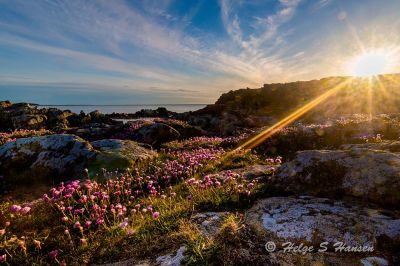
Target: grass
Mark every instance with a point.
(144, 236)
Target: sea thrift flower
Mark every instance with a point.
(156, 215)
(190, 197)
(15, 208)
(124, 224)
(87, 224)
(2, 232)
(53, 254)
(46, 198)
(64, 219)
(3, 258)
(83, 242)
(77, 224)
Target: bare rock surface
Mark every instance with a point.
(209, 222)
(44, 157)
(118, 154)
(64, 156)
(173, 259)
(316, 220)
(255, 172)
(156, 134)
(360, 171)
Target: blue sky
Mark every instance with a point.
(181, 51)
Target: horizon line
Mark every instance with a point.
(119, 104)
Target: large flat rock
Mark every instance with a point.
(360, 171)
(311, 221)
(62, 157)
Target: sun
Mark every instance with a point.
(371, 63)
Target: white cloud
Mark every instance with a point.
(114, 25)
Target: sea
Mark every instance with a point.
(109, 109)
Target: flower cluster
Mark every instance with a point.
(205, 142)
(171, 121)
(184, 164)
(130, 129)
(235, 181)
(21, 133)
(17, 209)
(88, 205)
(277, 160)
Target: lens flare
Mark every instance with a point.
(261, 137)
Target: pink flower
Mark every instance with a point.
(190, 197)
(156, 215)
(15, 208)
(64, 219)
(3, 258)
(45, 198)
(53, 254)
(77, 224)
(99, 221)
(124, 224)
(83, 241)
(2, 232)
(87, 224)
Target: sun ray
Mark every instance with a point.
(261, 137)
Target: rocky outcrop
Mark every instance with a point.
(118, 154)
(29, 116)
(313, 222)
(54, 157)
(62, 156)
(159, 112)
(279, 99)
(372, 175)
(96, 131)
(156, 134)
(332, 134)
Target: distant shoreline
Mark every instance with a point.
(123, 108)
(166, 104)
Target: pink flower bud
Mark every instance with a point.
(156, 215)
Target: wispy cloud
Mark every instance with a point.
(322, 3)
(135, 46)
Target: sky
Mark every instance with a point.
(182, 51)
